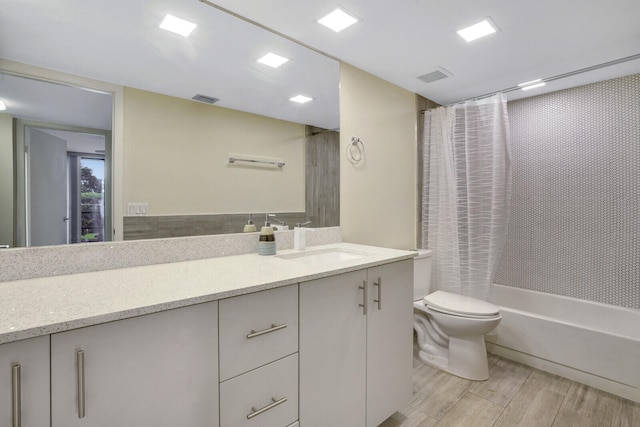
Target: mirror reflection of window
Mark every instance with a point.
(91, 200)
(87, 184)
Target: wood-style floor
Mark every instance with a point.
(514, 395)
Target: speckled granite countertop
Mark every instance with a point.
(41, 306)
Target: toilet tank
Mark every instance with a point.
(421, 274)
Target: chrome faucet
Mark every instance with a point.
(280, 221)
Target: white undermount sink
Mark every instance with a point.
(322, 256)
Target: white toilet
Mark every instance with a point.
(450, 327)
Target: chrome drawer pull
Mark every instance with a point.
(80, 385)
(379, 300)
(255, 412)
(16, 403)
(365, 296)
(273, 328)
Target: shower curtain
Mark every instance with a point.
(466, 193)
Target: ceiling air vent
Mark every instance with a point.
(206, 99)
(439, 74)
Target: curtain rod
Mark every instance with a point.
(550, 79)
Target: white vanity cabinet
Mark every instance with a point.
(24, 383)
(355, 366)
(335, 350)
(259, 359)
(155, 370)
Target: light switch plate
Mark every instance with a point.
(135, 209)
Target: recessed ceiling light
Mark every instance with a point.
(338, 20)
(273, 60)
(2, 106)
(533, 86)
(478, 30)
(301, 99)
(177, 25)
(530, 83)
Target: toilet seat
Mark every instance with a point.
(460, 305)
(466, 315)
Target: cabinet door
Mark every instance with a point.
(24, 383)
(155, 370)
(389, 340)
(332, 351)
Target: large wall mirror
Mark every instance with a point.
(147, 159)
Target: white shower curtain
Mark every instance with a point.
(466, 193)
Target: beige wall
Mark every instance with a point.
(176, 150)
(6, 180)
(378, 195)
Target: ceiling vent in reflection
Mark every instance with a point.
(439, 74)
(206, 99)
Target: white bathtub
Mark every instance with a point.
(592, 343)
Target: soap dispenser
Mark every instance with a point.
(249, 227)
(267, 240)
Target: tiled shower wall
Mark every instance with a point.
(322, 180)
(575, 221)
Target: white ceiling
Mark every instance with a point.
(118, 41)
(402, 39)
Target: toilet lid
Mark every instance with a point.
(460, 304)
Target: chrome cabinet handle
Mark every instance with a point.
(16, 396)
(273, 328)
(365, 296)
(81, 388)
(379, 300)
(255, 412)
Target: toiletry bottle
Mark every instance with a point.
(299, 236)
(249, 227)
(267, 240)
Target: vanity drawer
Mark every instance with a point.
(256, 329)
(264, 397)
